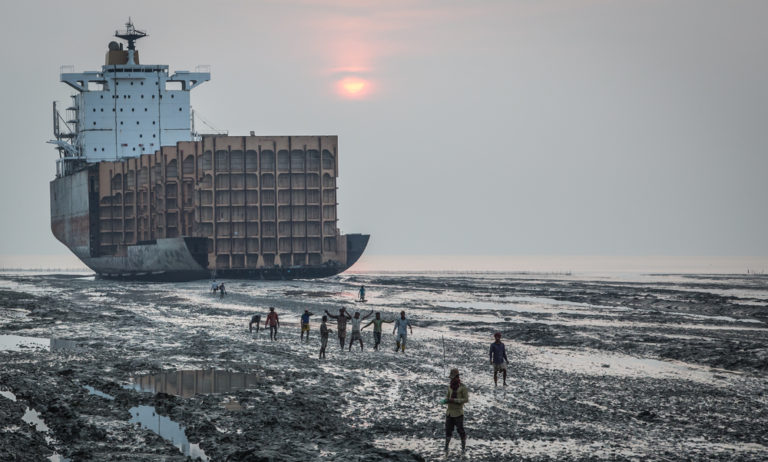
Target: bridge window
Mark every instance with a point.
(328, 160)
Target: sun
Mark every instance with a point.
(353, 87)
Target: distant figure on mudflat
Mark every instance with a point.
(356, 329)
(214, 286)
(377, 322)
(401, 327)
(255, 319)
(273, 323)
(305, 324)
(341, 320)
(498, 356)
(222, 291)
(457, 396)
(361, 294)
(323, 337)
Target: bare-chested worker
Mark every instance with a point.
(341, 320)
(255, 319)
(356, 319)
(273, 323)
(377, 322)
(323, 337)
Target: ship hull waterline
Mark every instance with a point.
(167, 266)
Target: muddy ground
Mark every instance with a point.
(664, 367)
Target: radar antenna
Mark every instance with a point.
(130, 34)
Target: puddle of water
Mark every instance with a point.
(10, 342)
(189, 383)
(594, 362)
(534, 305)
(168, 429)
(32, 417)
(19, 343)
(96, 392)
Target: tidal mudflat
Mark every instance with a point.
(622, 367)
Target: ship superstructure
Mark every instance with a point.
(138, 195)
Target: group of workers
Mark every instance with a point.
(401, 328)
(457, 394)
(218, 287)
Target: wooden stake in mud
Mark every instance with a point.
(443, 337)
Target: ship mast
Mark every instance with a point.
(130, 35)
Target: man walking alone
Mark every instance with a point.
(499, 360)
(457, 396)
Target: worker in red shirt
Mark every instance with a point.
(273, 323)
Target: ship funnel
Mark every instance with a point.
(117, 55)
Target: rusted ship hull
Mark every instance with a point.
(242, 207)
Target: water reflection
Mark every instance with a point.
(99, 393)
(9, 342)
(58, 344)
(168, 429)
(189, 383)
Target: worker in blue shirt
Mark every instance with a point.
(361, 294)
(305, 324)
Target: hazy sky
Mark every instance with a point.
(498, 127)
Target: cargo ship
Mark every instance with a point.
(138, 194)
